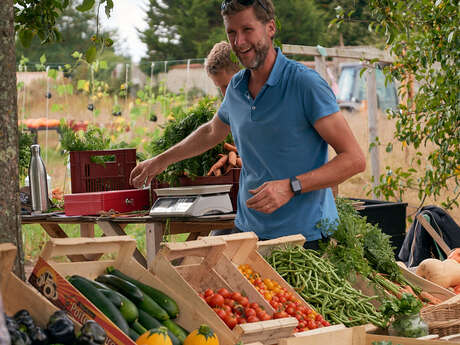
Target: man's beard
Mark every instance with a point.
(261, 52)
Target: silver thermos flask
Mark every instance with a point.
(38, 181)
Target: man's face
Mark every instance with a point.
(221, 80)
(250, 39)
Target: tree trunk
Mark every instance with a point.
(10, 224)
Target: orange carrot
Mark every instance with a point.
(228, 168)
(219, 164)
(427, 297)
(239, 162)
(230, 147)
(232, 158)
(217, 172)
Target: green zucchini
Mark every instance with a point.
(100, 286)
(128, 309)
(133, 334)
(138, 327)
(150, 322)
(113, 297)
(151, 307)
(128, 289)
(166, 302)
(100, 301)
(175, 329)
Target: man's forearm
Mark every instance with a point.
(337, 170)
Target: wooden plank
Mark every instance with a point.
(370, 338)
(113, 229)
(320, 67)
(434, 234)
(343, 336)
(202, 226)
(153, 235)
(55, 231)
(373, 125)
(266, 247)
(368, 53)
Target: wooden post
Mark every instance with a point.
(373, 124)
(320, 67)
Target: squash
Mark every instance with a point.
(455, 255)
(202, 336)
(444, 273)
(155, 336)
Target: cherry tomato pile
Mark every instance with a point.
(234, 308)
(284, 302)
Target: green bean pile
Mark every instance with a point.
(316, 280)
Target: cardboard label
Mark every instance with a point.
(66, 297)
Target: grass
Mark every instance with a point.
(75, 107)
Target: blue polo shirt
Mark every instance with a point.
(276, 140)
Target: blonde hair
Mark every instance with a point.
(219, 58)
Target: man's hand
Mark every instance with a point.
(145, 172)
(270, 196)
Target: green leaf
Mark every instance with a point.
(25, 37)
(91, 54)
(43, 59)
(52, 73)
(76, 55)
(108, 8)
(86, 5)
(103, 64)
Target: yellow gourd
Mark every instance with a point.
(155, 336)
(202, 336)
(444, 273)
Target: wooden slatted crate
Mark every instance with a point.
(214, 270)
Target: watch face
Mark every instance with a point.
(296, 186)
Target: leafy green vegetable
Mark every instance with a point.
(25, 141)
(406, 305)
(91, 139)
(178, 128)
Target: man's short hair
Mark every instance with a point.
(262, 14)
(219, 59)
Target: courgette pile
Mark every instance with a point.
(133, 306)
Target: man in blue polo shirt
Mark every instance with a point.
(282, 116)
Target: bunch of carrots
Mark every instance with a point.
(226, 162)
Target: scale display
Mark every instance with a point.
(208, 200)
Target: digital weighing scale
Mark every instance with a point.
(193, 201)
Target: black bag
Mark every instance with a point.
(419, 245)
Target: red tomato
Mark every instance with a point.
(318, 317)
(224, 292)
(241, 320)
(227, 308)
(290, 311)
(252, 319)
(229, 302)
(265, 317)
(222, 314)
(254, 305)
(216, 300)
(283, 299)
(325, 323)
(311, 324)
(236, 296)
(208, 292)
(249, 312)
(244, 301)
(302, 324)
(208, 299)
(230, 321)
(280, 315)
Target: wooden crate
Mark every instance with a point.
(17, 294)
(243, 248)
(266, 247)
(214, 271)
(123, 248)
(357, 336)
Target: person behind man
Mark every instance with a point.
(219, 65)
(282, 116)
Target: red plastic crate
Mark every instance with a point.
(86, 204)
(232, 177)
(89, 176)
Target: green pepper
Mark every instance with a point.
(60, 329)
(91, 334)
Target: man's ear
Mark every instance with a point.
(271, 28)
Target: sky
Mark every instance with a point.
(127, 15)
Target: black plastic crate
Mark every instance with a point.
(390, 216)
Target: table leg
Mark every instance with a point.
(153, 235)
(55, 231)
(87, 230)
(114, 229)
